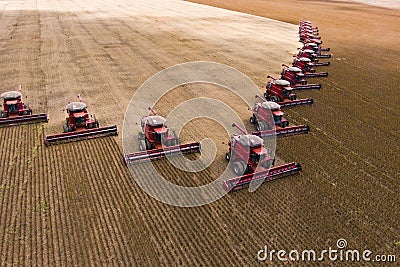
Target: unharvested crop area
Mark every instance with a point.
(76, 204)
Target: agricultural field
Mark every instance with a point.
(77, 204)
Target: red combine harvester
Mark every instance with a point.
(311, 40)
(307, 67)
(305, 31)
(268, 117)
(248, 154)
(305, 38)
(156, 141)
(296, 78)
(16, 111)
(281, 92)
(80, 125)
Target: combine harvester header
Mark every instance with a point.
(80, 125)
(15, 111)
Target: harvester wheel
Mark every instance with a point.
(266, 96)
(174, 142)
(239, 167)
(142, 145)
(171, 142)
(96, 124)
(1, 114)
(227, 156)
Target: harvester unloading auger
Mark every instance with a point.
(251, 161)
(15, 111)
(270, 122)
(80, 125)
(156, 141)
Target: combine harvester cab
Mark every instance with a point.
(306, 66)
(251, 161)
(296, 78)
(157, 141)
(15, 111)
(281, 92)
(80, 125)
(270, 122)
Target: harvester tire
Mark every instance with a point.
(227, 156)
(1, 114)
(174, 142)
(65, 128)
(275, 98)
(239, 168)
(142, 145)
(253, 119)
(262, 126)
